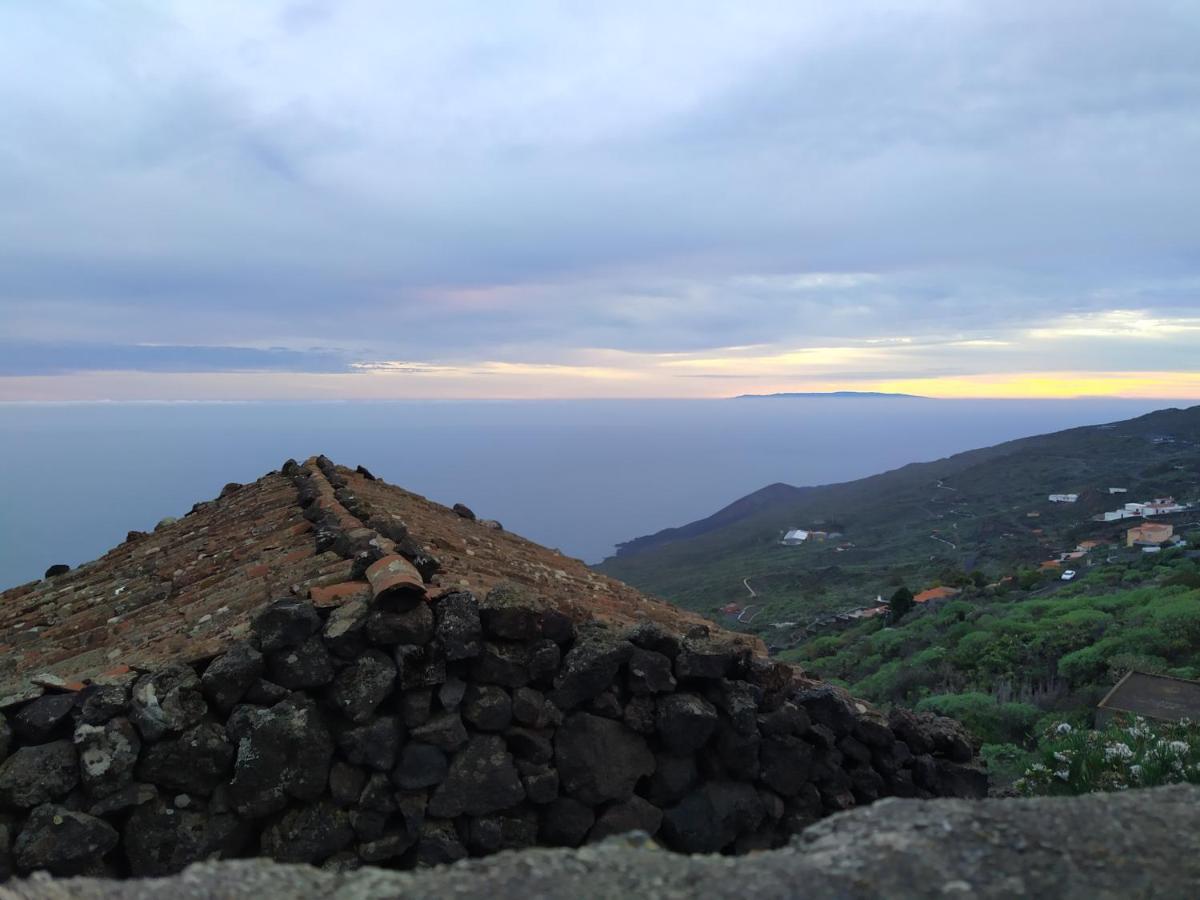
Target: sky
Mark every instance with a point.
(287, 200)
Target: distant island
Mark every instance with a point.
(833, 395)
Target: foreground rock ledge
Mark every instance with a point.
(1136, 844)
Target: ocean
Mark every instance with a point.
(576, 475)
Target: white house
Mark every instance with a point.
(1063, 498)
(794, 537)
(1161, 506)
(1118, 490)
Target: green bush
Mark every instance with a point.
(1121, 756)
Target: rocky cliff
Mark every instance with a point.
(323, 668)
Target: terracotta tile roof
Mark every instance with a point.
(937, 593)
(184, 591)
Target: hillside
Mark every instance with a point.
(985, 510)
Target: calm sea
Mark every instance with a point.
(577, 475)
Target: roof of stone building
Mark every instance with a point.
(185, 590)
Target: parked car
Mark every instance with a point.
(1068, 575)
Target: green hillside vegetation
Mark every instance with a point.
(920, 525)
(1006, 663)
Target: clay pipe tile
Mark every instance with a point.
(393, 577)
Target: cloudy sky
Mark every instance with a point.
(230, 200)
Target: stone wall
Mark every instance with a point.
(418, 728)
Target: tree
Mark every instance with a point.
(901, 603)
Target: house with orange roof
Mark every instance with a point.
(1149, 534)
(937, 593)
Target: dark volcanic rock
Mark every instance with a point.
(785, 763)
(673, 778)
(457, 625)
(513, 831)
(420, 766)
(160, 839)
(712, 817)
(62, 841)
(685, 722)
(373, 744)
(345, 630)
(308, 834)
(704, 658)
(505, 664)
(419, 667)
(107, 755)
(413, 625)
(297, 668)
(57, 569)
(284, 753)
(590, 668)
(167, 700)
(444, 730)
(463, 511)
(285, 623)
(127, 797)
(488, 707)
(634, 814)
(599, 759)
(231, 674)
(482, 780)
(360, 687)
(541, 783)
(45, 719)
(346, 783)
(100, 702)
(38, 774)
(650, 672)
(513, 612)
(566, 823)
(439, 843)
(195, 762)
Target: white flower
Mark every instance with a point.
(1179, 748)
(1063, 756)
(1117, 751)
(1063, 774)
(1062, 728)
(1136, 772)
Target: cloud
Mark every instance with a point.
(504, 194)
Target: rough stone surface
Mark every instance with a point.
(482, 780)
(285, 753)
(231, 674)
(35, 775)
(599, 759)
(62, 841)
(108, 754)
(1072, 848)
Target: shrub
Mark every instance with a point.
(1125, 754)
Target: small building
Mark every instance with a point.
(1118, 490)
(1064, 498)
(1087, 546)
(794, 537)
(937, 593)
(1159, 697)
(1149, 534)
(1161, 506)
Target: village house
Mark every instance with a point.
(1149, 534)
(1159, 697)
(795, 537)
(1063, 498)
(1118, 490)
(937, 593)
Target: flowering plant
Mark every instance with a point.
(1127, 754)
